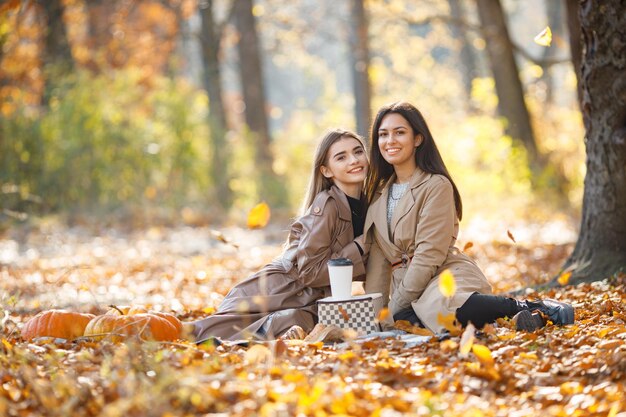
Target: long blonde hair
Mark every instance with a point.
(319, 182)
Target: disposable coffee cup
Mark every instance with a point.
(340, 274)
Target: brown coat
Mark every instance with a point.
(285, 291)
(424, 228)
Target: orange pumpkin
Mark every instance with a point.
(131, 310)
(128, 321)
(56, 323)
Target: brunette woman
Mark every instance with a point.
(284, 292)
(412, 225)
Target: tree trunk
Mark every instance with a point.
(575, 45)
(359, 59)
(468, 59)
(252, 84)
(601, 247)
(57, 57)
(511, 104)
(220, 155)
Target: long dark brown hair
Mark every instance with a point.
(319, 182)
(427, 156)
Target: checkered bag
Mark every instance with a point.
(357, 313)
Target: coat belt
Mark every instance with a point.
(402, 262)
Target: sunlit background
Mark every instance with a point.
(116, 123)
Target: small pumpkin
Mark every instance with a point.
(128, 321)
(56, 323)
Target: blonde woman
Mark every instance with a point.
(284, 293)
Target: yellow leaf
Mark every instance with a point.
(383, 314)
(7, 344)
(259, 216)
(563, 279)
(467, 246)
(346, 356)
(467, 339)
(449, 323)
(483, 354)
(544, 38)
(447, 284)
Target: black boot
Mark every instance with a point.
(556, 311)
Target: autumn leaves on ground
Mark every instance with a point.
(572, 370)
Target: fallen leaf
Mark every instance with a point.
(257, 354)
(544, 38)
(447, 284)
(467, 246)
(259, 216)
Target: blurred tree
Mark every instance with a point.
(469, 68)
(271, 188)
(601, 247)
(359, 60)
(57, 53)
(572, 8)
(210, 37)
(554, 11)
(511, 104)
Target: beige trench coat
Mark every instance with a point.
(424, 228)
(285, 291)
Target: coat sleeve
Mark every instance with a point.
(433, 236)
(378, 277)
(319, 232)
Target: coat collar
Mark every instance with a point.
(342, 203)
(377, 213)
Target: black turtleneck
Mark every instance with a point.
(358, 210)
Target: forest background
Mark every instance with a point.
(136, 136)
(190, 112)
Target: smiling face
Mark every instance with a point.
(397, 142)
(346, 165)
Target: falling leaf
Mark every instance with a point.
(449, 323)
(563, 279)
(467, 339)
(344, 313)
(544, 38)
(383, 314)
(447, 284)
(508, 232)
(467, 246)
(220, 236)
(483, 354)
(259, 216)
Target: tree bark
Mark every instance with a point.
(469, 67)
(601, 247)
(511, 104)
(572, 8)
(359, 59)
(220, 155)
(252, 84)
